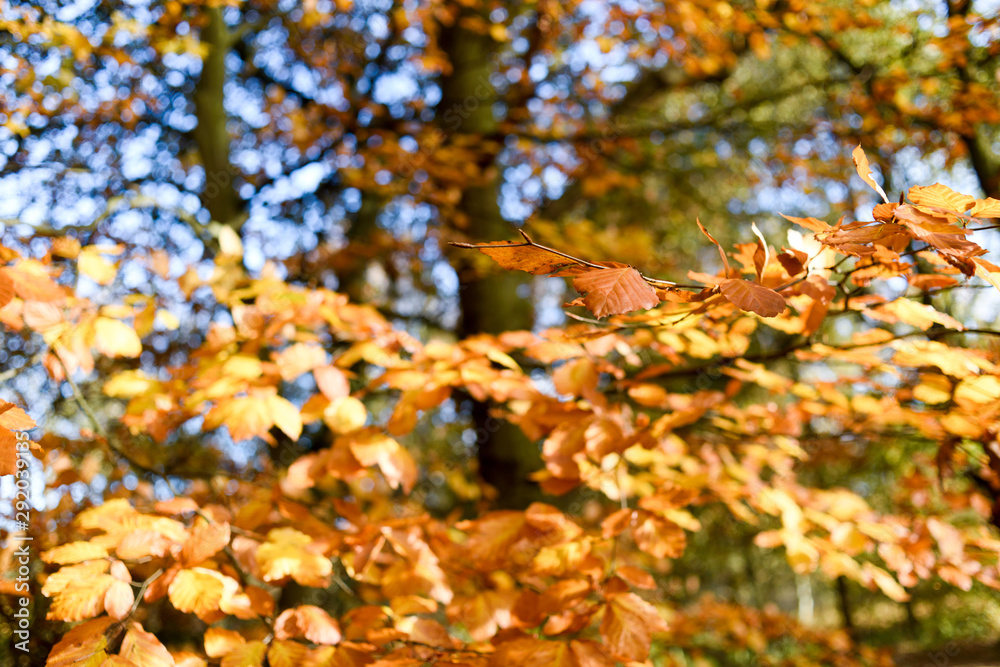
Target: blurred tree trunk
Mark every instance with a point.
(211, 133)
(490, 303)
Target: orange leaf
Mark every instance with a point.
(332, 382)
(375, 448)
(250, 654)
(986, 208)
(288, 654)
(143, 648)
(309, 622)
(616, 290)
(520, 256)
(83, 646)
(118, 599)
(114, 338)
(864, 171)
(288, 553)
(6, 289)
(8, 452)
(628, 626)
(206, 540)
(32, 282)
(941, 196)
(77, 591)
(14, 418)
(722, 253)
(220, 642)
(200, 590)
(752, 297)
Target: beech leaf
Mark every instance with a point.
(614, 291)
(628, 626)
(520, 256)
(753, 297)
(864, 171)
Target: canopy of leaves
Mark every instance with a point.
(254, 388)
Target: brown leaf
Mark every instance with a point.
(614, 291)
(864, 171)
(722, 253)
(628, 626)
(753, 297)
(520, 256)
(794, 261)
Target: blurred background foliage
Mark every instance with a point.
(348, 142)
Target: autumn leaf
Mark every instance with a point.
(628, 626)
(75, 552)
(986, 208)
(250, 654)
(309, 622)
(520, 256)
(615, 290)
(752, 297)
(283, 653)
(941, 196)
(91, 263)
(288, 553)
(85, 645)
(143, 648)
(14, 418)
(6, 289)
(397, 466)
(78, 591)
(864, 171)
(205, 540)
(219, 641)
(114, 338)
(201, 591)
(118, 599)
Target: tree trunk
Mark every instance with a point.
(219, 195)
(490, 303)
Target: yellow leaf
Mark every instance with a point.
(83, 646)
(200, 590)
(285, 416)
(345, 414)
(74, 552)
(219, 642)
(167, 319)
(978, 389)
(129, 384)
(287, 553)
(230, 243)
(242, 367)
(77, 591)
(114, 338)
(250, 654)
(393, 460)
(94, 266)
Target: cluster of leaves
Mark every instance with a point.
(224, 556)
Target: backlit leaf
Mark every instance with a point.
(865, 172)
(628, 626)
(752, 297)
(616, 290)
